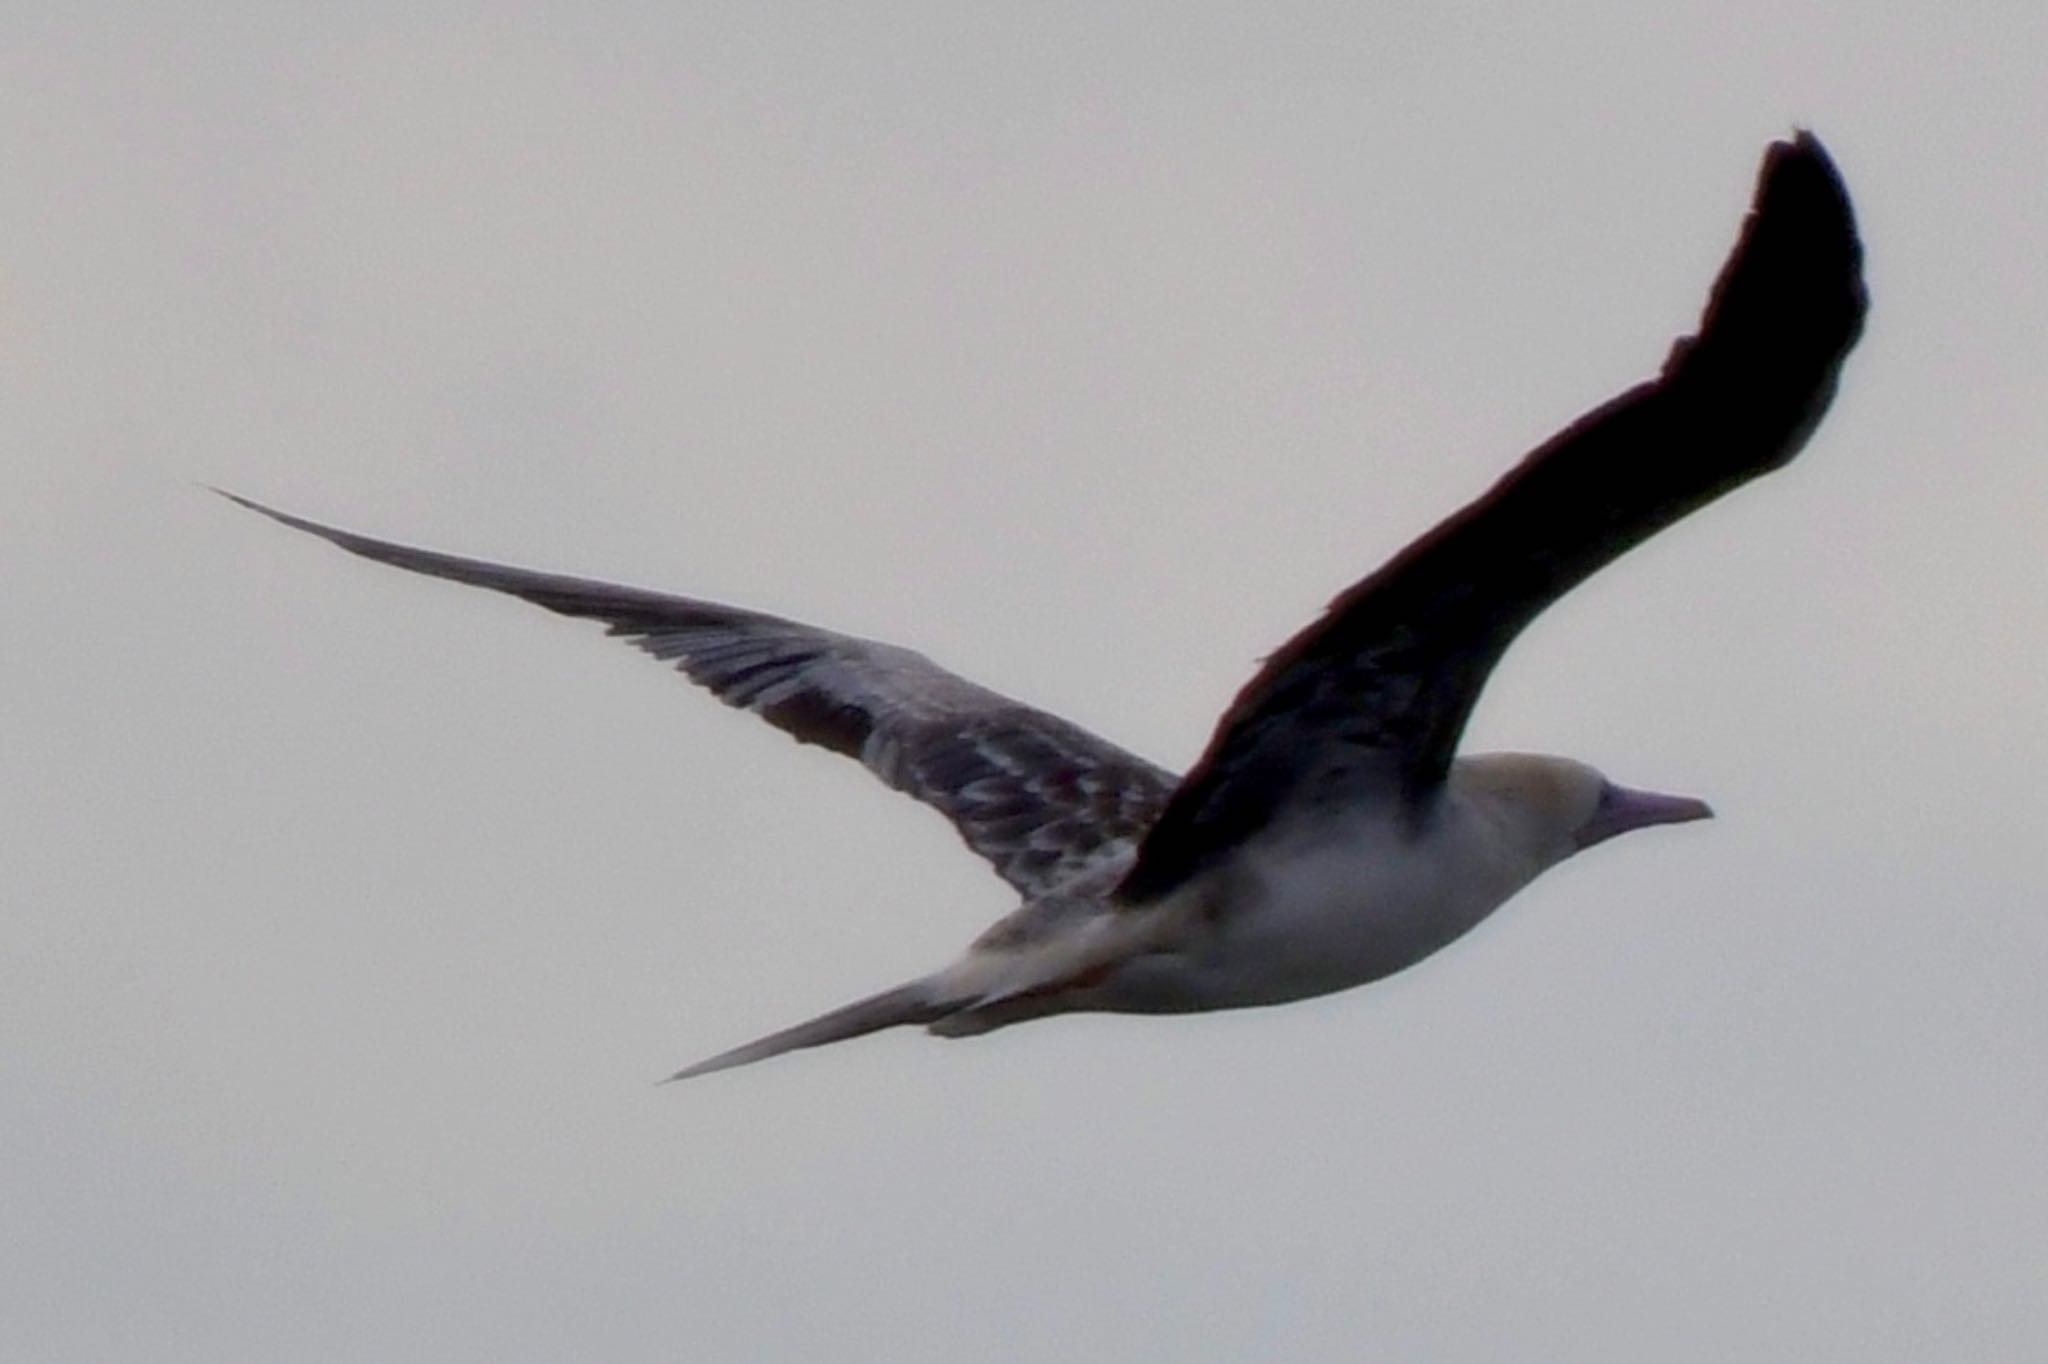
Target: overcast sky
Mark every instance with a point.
(1089, 348)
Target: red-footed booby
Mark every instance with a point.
(1328, 836)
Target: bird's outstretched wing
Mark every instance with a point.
(1369, 700)
(1043, 800)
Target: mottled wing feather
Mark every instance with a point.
(1370, 700)
(1044, 801)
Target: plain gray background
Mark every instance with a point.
(349, 917)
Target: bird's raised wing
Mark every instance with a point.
(1369, 701)
(1043, 800)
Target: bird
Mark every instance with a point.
(1329, 834)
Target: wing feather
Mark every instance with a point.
(1042, 800)
(1370, 700)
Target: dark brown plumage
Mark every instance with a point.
(1372, 697)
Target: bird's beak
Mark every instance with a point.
(1621, 810)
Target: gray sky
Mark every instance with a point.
(1089, 348)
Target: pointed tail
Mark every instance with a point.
(910, 1003)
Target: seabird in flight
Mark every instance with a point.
(1328, 836)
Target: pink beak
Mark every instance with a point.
(1621, 810)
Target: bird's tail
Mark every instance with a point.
(913, 1003)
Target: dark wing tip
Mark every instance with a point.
(1800, 182)
(358, 544)
(1802, 215)
(1788, 305)
(1795, 277)
(624, 609)
(242, 501)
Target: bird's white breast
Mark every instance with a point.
(1331, 907)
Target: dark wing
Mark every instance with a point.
(1043, 800)
(1370, 699)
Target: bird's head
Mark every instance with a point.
(1555, 807)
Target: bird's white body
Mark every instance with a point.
(1335, 907)
(1316, 905)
